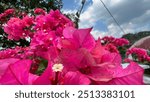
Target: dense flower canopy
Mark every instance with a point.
(73, 56)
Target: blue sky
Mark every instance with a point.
(132, 15)
(74, 4)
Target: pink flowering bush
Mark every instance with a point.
(115, 41)
(139, 55)
(60, 54)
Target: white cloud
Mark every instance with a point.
(132, 15)
(97, 33)
(68, 11)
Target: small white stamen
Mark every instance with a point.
(57, 67)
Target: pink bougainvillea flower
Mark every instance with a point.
(104, 71)
(54, 21)
(39, 11)
(115, 41)
(9, 11)
(74, 60)
(17, 52)
(18, 74)
(82, 61)
(2, 17)
(108, 38)
(51, 77)
(28, 21)
(57, 71)
(140, 53)
(43, 42)
(16, 28)
(77, 38)
(112, 48)
(63, 20)
(44, 39)
(74, 56)
(121, 42)
(132, 75)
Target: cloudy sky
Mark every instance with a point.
(132, 15)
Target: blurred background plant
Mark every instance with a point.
(19, 8)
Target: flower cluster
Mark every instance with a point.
(39, 11)
(6, 13)
(17, 52)
(115, 41)
(73, 56)
(140, 53)
(17, 28)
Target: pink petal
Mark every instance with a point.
(103, 72)
(79, 38)
(132, 75)
(68, 32)
(32, 78)
(73, 60)
(4, 64)
(17, 73)
(84, 38)
(112, 57)
(98, 51)
(75, 78)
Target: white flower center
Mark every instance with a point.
(57, 67)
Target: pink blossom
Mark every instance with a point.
(17, 73)
(39, 11)
(103, 71)
(28, 21)
(76, 38)
(132, 75)
(2, 16)
(15, 29)
(9, 11)
(52, 21)
(139, 52)
(17, 52)
(108, 39)
(58, 78)
(74, 57)
(121, 42)
(112, 48)
(116, 41)
(44, 39)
